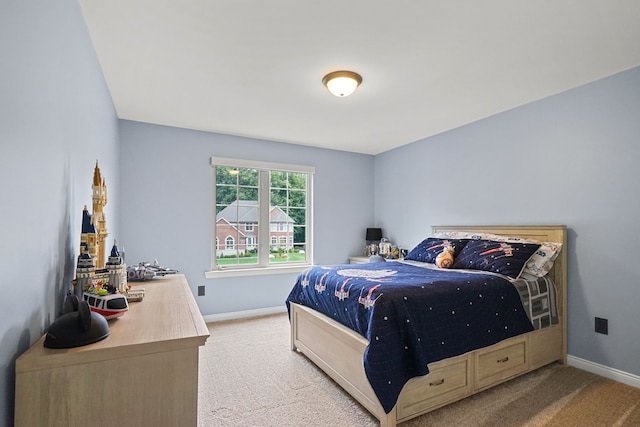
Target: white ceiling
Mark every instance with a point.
(254, 67)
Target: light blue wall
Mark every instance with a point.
(570, 159)
(56, 120)
(167, 207)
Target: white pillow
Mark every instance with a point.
(542, 261)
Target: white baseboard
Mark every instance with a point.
(244, 314)
(604, 371)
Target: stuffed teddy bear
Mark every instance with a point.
(445, 258)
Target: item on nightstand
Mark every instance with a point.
(372, 236)
(376, 258)
(371, 249)
(385, 247)
(445, 258)
(394, 253)
(77, 327)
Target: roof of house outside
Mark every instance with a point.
(247, 211)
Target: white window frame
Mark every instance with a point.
(263, 266)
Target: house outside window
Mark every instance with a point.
(262, 213)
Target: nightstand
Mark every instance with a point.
(361, 259)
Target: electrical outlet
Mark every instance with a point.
(602, 326)
(201, 290)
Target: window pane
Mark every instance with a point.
(279, 198)
(298, 215)
(299, 235)
(297, 198)
(247, 193)
(236, 206)
(226, 175)
(288, 192)
(225, 195)
(297, 181)
(278, 179)
(248, 177)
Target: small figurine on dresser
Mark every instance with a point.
(144, 271)
(106, 299)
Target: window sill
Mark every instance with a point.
(262, 271)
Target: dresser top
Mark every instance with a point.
(166, 319)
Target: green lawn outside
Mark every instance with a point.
(293, 257)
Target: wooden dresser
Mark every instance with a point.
(144, 373)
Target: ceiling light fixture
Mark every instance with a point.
(342, 83)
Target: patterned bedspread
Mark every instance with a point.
(412, 315)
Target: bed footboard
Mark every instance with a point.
(338, 352)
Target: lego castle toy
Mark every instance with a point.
(92, 272)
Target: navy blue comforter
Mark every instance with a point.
(412, 315)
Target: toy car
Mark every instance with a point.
(110, 306)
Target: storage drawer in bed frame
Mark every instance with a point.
(447, 382)
(497, 364)
(452, 379)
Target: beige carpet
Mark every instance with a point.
(250, 377)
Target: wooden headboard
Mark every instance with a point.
(541, 233)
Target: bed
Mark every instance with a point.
(426, 379)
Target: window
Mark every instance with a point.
(229, 243)
(262, 213)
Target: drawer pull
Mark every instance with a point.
(439, 382)
(503, 360)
